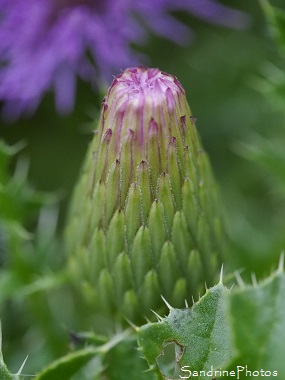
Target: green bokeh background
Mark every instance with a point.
(219, 71)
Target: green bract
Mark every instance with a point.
(145, 218)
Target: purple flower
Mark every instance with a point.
(45, 44)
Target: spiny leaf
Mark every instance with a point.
(257, 318)
(200, 334)
(125, 362)
(241, 332)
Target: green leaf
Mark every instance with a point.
(124, 362)
(199, 335)
(257, 315)
(87, 363)
(117, 359)
(237, 333)
(65, 367)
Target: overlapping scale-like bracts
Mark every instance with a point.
(145, 219)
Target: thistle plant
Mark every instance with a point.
(145, 218)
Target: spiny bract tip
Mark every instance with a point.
(166, 303)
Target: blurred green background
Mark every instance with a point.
(223, 72)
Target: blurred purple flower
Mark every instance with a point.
(45, 44)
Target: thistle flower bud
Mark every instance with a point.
(145, 218)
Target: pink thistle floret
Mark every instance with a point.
(143, 100)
